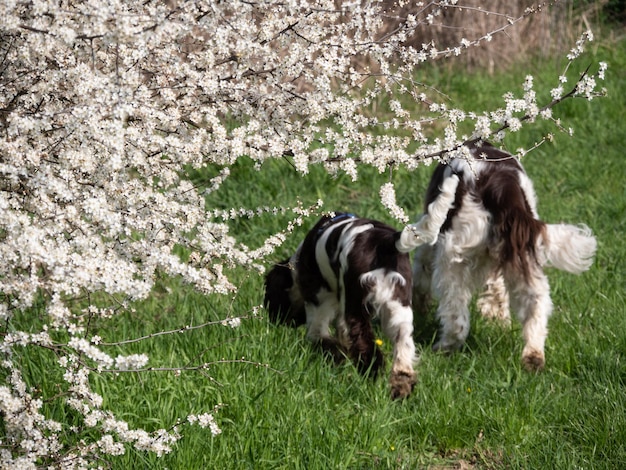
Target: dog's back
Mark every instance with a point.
(340, 249)
(334, 254)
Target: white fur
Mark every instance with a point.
(347, 244)
(320, 317)
(426, 230)
(533, 307)
(493, 302)
(529, 192)
(570, 248)
(382, 279)
(470, 231)
(397, 323)
(322, 257)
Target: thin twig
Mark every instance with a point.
(169, 332)
(203, 366)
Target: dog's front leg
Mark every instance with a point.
(319, 316)
(422, 277)
(451, 282)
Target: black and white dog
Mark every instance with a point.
(493, 236)
(349, 270)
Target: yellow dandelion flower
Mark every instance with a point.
(379, 342)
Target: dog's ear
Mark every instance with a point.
(278, 301)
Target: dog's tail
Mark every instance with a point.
(426, 230)
(282, 300)
(570, 248)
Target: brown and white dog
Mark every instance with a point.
(349, 270)
(493, 235)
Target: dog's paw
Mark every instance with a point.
(446, 346)
(402, 384)
(332, 349)
(533, 360)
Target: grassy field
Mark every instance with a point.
(474, 409)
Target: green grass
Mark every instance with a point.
(474, 409)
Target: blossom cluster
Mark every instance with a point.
(105, 110)
(388, 199)
(205, 420)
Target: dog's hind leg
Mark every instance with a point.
(397, 323)
(532, 303)
(363, 350)
(493, 302)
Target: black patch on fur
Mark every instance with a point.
(278, 284)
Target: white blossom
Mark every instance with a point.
(205, 420)
(233, 322)
(388, 198)
(131, 362)
(602, 70)
(556, 93)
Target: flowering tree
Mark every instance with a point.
(106, 106)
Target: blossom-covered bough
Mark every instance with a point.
(105, 107)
